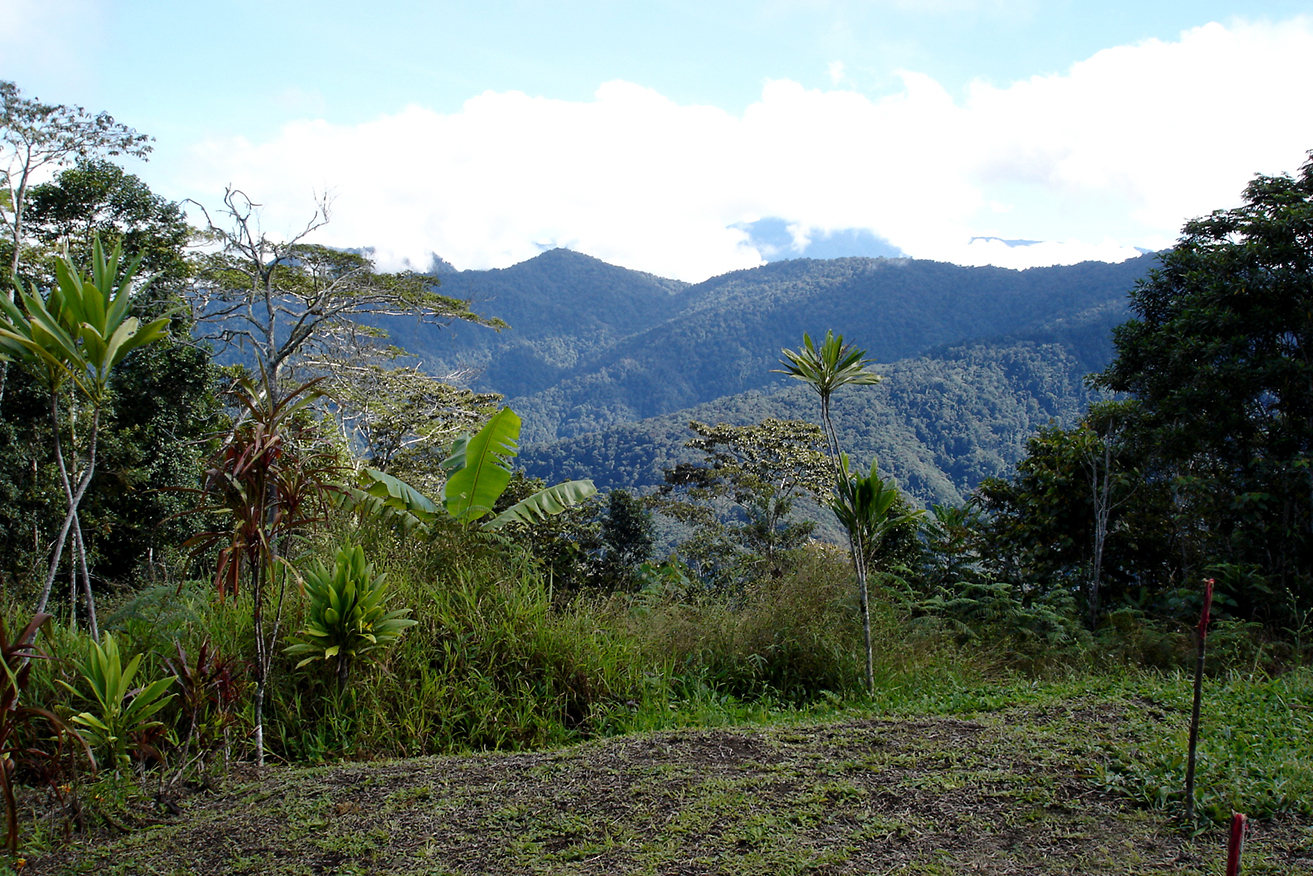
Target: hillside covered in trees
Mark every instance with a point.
(608, 366)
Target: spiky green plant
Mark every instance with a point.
(78, 332)
(124, 716)
(347, 618)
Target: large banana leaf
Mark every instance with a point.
(479, 472)
(471, 491)
(391, 498)
(544, 503)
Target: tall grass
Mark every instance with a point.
(500, 660)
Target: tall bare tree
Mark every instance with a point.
(279, 300)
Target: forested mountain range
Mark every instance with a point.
(607, 366)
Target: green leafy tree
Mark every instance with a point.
(826, 369)
(627, 529)
(759, 471)
(1074, 497)
(279, 301)
(869, 509)
(1218, 360)
(404, 418)
(35, 136)
(161, 401)
(97, 198)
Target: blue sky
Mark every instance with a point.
(654, 135)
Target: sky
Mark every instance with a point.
(689, 139)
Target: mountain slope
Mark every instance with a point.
(606, 366)
(561, 306)
(728, 335)
(938, 424)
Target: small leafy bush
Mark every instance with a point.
(1026, 631)
(123, 720)
(346, 619)
(16, 716)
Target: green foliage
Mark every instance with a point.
(869, 506)
(36, 135)
(82, 329)
(1039, 529)
(473, 488)
(346, 617)
(271, 482)
(79, 332)
(1216, 360)
(1252, 757)
(160, 400)
(626, 530)
(791, 637)
(124, 717)
(403, 417)
(98, 199)
(479, 472)
(825, 369)
(939, 424)
(284, 301)
(758, 471)
(16, 715)
(1029, 631)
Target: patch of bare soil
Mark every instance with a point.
(1004, 793)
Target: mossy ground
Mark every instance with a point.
(1010, 791)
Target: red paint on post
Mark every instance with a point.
(1239, 824)
(1208, 607)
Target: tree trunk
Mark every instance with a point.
(855, 547)
(74, 499)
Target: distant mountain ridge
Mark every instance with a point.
(604, 363)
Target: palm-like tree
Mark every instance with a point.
(860, 507)
(77, 333)
(868, 509)
(826, 368)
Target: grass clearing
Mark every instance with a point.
(1038, 781)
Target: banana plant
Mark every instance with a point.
(347, 618)
(78, 332)
(123, 716)
(478, 472)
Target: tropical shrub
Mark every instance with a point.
(16, 657)
(346, 618)
(124, 718)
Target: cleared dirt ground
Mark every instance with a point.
(1002, 793)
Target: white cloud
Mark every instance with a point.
(1115, 153)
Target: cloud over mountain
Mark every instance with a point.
(1111, 154)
